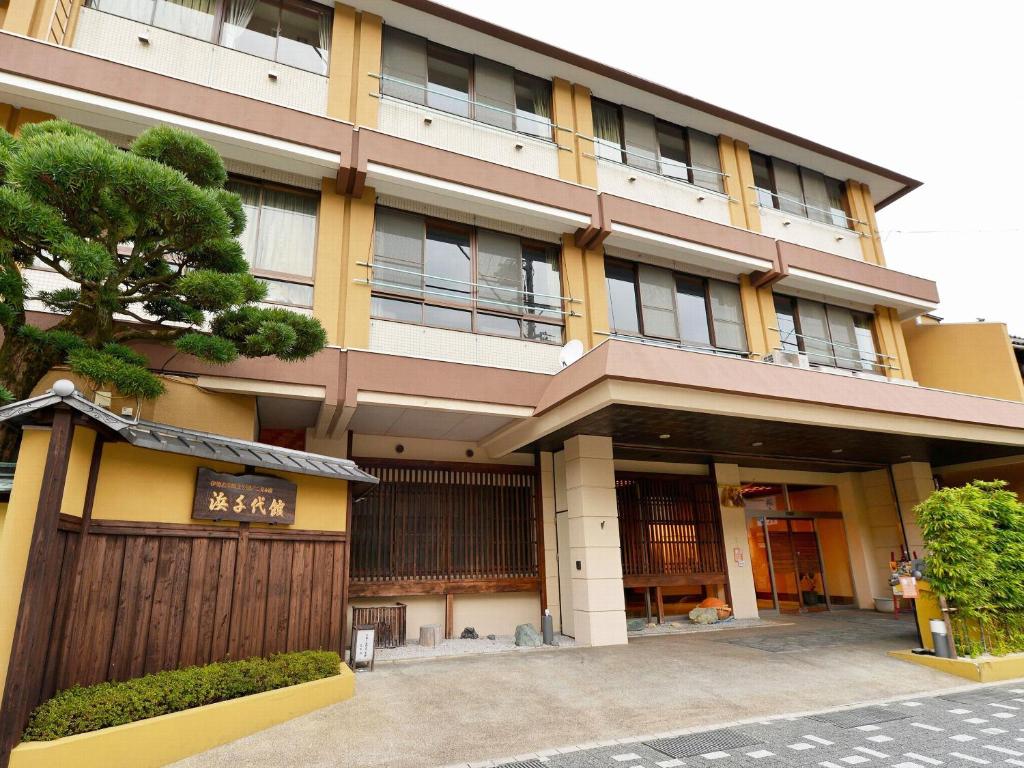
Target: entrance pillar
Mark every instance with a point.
(914, 483)
(734, 537)
(595, 561)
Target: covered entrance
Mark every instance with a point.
(798, 548)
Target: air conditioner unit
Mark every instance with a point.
(792, 359)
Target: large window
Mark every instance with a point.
(831, 336)
(629, 136)
(279, 239)
(794, 189)
(448, 275)
(417, 70)
(291, 32)
(660, 304)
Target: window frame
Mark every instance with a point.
(776, 202)
(220, 13)
(677, 275)
(866, 366)
(471, 104)
(471, 306)
(274, 275)
(659, 123)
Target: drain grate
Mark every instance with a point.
(524, 764)
(703, 743)
(853, 718)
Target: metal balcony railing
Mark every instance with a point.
(826, 349)
(670, 344)
(832, 217)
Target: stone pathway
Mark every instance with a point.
(459, 647)
(975, 726)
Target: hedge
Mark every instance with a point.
(80, 710)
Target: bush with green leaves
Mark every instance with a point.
(80, 710)
(147, 242)
(974, 535)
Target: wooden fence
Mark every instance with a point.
(142, 598)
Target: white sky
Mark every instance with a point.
(929, 89)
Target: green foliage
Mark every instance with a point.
(974, 535)
(80, 710)
(149, 234)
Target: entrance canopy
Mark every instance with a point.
(663, 404)
(188, 442)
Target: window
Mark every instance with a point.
(800, 191)
(292, 32)
(657, 303)
(417, 70)
(469, 279)
(279, 240)
(629, 136)
(831, 336)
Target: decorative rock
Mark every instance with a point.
(635, 625)
(469, 633)
(527, 636)
(704, 616)
(492, 637)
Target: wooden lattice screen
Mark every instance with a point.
(669, 526)
(434, 523)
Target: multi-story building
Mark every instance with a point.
(609, 348)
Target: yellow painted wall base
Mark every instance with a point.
(987, 670)
(165, 739)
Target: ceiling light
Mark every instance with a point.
(756, 444)
(837, 450)
(664, 437)
(906, 456)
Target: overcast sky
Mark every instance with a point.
(929, 89)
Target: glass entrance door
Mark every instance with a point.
(787, 566)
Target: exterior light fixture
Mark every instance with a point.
(518, 146)
(631, 178)
(665, 436)
(144, 38)
(272, 75)
(428, 120)
(837, 450)
(757, 444)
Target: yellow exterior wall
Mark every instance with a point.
(330, 250)
(889, 335)
(756, 323)
(355, 59)
(862, 210)
(584, 281)
(586, 164)
(563, 114)
(975, 358)
(321, 503)
(183, 404)
(16, 535)
(354, 313)
(12, 118)
(739, 180)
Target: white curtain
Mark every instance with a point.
(287, 236)
(187, 17)
(237, 18)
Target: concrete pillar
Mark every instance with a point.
(599, 606)
(868, 581)
(914, 484)
(734, 537)
(550, 553)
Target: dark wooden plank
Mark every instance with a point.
(254, 599)
(71, 541)
(660, 599)
(300, 597)
(449, 615)
(220, 643)
(135, 593)
(206, 618)
(275, 634)
(440, 587)
(319, 609)
(165, 620)
(337, 599)
(195, 596)
(673, 579)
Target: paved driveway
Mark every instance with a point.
(442, 712)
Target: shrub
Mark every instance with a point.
(80, 710)
(975, 540)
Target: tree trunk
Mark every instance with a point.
(23, 364)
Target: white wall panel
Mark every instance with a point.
(650, 188)
(812, 234)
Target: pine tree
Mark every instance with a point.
(147, 240)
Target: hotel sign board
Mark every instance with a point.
(245, 498)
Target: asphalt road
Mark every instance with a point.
(976, 726)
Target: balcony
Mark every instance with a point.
(444, 130)
(831, 236)
(661, 191)
(158, 50)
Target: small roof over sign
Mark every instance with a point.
(190, 442)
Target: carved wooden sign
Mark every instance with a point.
(250, 498)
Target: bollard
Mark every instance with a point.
(547, 624)
(940, 639)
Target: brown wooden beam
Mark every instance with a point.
(449, 615)
(460, 587)
(26, 668)
(673, 580)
